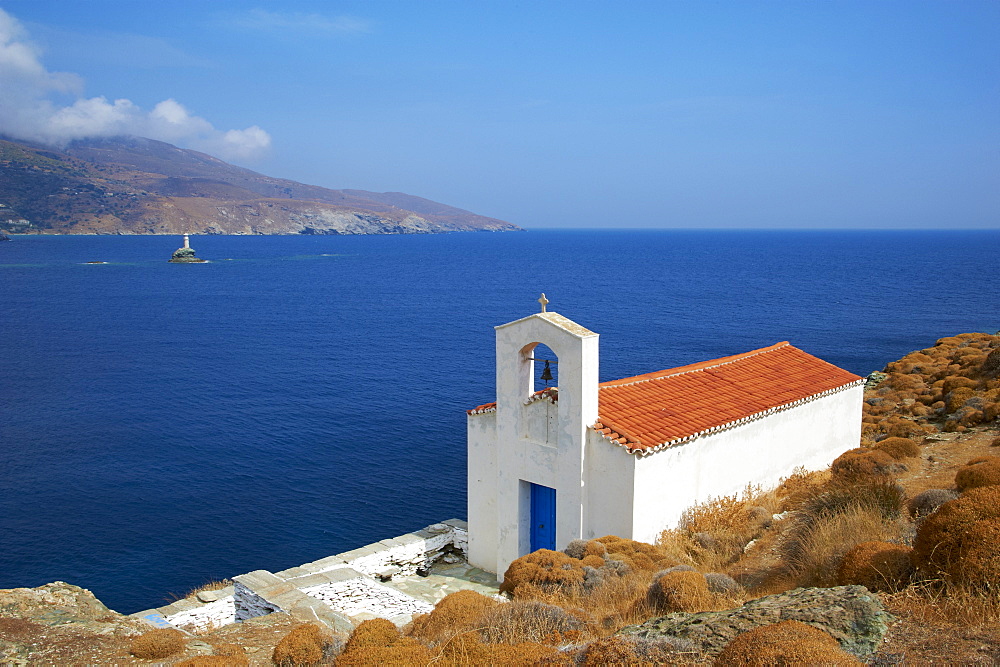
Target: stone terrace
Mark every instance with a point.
(396, 579)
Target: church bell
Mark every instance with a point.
(547, 373)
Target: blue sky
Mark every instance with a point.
(873, 114)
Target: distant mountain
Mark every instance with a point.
(131, 185)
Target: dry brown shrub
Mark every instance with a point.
(878, 566)
(404, 651)
(468, 649)
(679, 591)
(607, 607)
(373, 633)
(378, 642)
(991, 411)
(543, 568)
(970, 417)
(784, 643)
(305, 644)
(861, 464)
(961, 540)
(905, 382)
(898, 448)
(995, 442)
(982, 471)
(957, 398)
(159, 643)
(638, 556)
(633, 651)
(595, 548)
(592, 561)
(214, 661)
(455, 613)
(902, 428)
(958, 382)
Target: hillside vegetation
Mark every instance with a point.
(912, 515)
(131, 185)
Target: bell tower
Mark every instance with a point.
(536, 482)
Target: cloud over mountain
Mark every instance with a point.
(39, 105)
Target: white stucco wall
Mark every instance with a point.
(482, 490)
(608, 489)
(761, 452)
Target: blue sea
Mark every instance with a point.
(163, 425)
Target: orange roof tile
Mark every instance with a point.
(648, 412)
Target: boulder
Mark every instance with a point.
(851, 614)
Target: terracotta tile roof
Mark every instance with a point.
(649, 412)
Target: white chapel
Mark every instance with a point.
(627, 457)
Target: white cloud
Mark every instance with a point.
(261, 19)
(27, 110)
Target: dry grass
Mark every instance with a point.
(815, 546)
(532, 621)
(936, 602)
(713, 534)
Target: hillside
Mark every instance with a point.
(132, 185)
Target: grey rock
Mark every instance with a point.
(722, 583)
(851, 614)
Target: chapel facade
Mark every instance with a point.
(627, 457)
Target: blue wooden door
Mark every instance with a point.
(543, 517)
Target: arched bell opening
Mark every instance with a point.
(543, 369)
